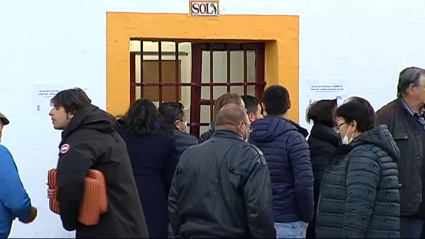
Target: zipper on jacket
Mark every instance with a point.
(319, 200)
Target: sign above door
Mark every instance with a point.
(204, 8)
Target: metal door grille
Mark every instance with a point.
(167, 83)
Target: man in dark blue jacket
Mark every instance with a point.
(288, 156)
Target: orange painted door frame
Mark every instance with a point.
(280, 33)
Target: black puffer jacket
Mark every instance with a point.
(359, 193)
(323, 142)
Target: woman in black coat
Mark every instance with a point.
(323, 142)
(153, 156)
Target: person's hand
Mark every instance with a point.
(31, 217)
(305, 224)
(50, 192)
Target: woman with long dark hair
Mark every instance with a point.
(153, 157)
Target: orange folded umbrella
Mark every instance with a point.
(94, 201)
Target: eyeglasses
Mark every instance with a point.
(339, 126)
(181, 108)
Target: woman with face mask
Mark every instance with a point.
(359, 195)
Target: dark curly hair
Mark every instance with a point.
(142, 118)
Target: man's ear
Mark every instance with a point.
(263, 106)
(70, 115)
(176, 124)
(251, 117)
(289, 104)
(354, 126)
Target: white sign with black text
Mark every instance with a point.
(320, 88)
(207, 8)
(45, 91)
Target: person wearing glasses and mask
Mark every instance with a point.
(174, 118)
(359, 196)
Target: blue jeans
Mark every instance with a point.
(411, 227)
(290, 229)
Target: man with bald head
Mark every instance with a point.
(221, 188)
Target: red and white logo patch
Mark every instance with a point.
(65, 148)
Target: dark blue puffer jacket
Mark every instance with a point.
(288, 156)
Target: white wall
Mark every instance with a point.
(368, 42)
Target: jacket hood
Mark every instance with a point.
(271, 127)
(381, 137)
(91, 117)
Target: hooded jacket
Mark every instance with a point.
(288, 157)
(359, 196)
(90, 141)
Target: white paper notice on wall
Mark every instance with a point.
(45, 91)
(320, 88)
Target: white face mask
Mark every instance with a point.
(183, 129)
(346, 139)
(186, 130)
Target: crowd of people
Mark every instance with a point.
(254, 174)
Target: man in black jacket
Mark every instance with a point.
(405, 120)
(222, 187)
(89, 141)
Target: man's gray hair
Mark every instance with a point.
(408, 76)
